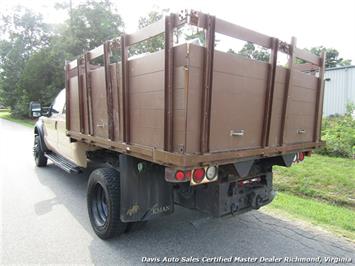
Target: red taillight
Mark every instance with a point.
(198, 175)
(188, 174)
(179, 175)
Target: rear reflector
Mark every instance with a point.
(301, 156)
(211, 172)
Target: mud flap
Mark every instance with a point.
(144, 192)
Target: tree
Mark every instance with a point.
(32, 53)
(41, 79)
(332, 57)
(249, 50)
(157, 43)
(198, 35)
(154, 44)
(24, 32)
(90, 24)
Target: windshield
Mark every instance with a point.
(59, 102)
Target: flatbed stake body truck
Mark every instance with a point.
(185, 125)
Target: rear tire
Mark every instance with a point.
(38, 153)
(103, 201)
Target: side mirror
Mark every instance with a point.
(35, 109)
(47, 111)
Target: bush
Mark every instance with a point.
(339, 134)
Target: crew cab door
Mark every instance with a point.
(51, 122)
(73, 151)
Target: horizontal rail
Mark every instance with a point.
(306, 67)
(73, 64)
(146, 33)
(96, 52)
(307, 56)
(199, 19)
(242, 33)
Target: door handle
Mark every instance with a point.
(301, 131)
(55, 124)
(238, 133)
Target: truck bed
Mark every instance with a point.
(189, 105)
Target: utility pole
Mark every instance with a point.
(71, 15)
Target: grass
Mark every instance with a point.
(320, 177)
(320, 190)
(337, 219)
(26, 122)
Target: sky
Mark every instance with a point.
(313, 22)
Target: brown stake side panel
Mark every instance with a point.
(99, 104)
(85, 105)
(248, 112)
(74, 104)
(300, 120)
(275, 124)
(238, 96)
(146, 100)
(116, 107)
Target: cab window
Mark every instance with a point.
(59, 103)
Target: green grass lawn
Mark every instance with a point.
(334, 218)
(26, 122)
(320, 190)
(321, 177)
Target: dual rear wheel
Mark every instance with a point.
(103, 200)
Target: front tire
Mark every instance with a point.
(38, 153)
(103, 200)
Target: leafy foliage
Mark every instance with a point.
(262, 54)
(339, 134)
(90, 24)
(332, 56)
(199, 35)
(32, 53)
(154, 44)
(249, 50)
(157, 43)
(25, 33)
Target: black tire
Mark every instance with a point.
(103, 200)
(38, 153)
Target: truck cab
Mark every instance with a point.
(51, 128)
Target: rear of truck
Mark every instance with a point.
(191, 125)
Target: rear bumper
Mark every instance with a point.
(228, 197)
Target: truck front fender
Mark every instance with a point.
(38, 130)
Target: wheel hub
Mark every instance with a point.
(99, 206)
